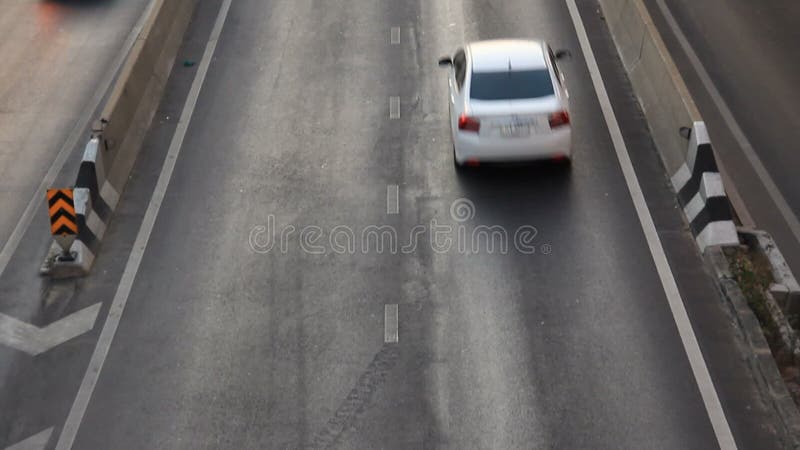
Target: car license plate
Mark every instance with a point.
(516, 130)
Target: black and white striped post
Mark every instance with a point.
(702, 194)
(93, 212)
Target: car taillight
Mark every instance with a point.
(559, 119)
(467, 123)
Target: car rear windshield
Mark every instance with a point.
(511, 85)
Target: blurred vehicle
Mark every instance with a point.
(508, 102)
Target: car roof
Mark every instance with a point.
(496, 55)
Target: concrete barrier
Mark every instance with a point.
(124, 121)
(656, 81)
(698, 185)
(135, 97)
(669, 108)
(697, 181)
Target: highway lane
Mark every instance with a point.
(222, 346)
(54, 54)
(745, 48)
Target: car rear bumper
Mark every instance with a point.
(554, 145)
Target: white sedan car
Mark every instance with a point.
(508, 102)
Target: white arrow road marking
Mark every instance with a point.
(36, 442)
(33, 340)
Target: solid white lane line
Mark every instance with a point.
(392, 199)
(727, 116)
(395, 38)
(394, 107)
(78, 410)
(390, 324)
(704, 383)
(77, 132)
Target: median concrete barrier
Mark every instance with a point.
(702, 194)
(118, 134)
(671, 114)
(656, 81)
(670, 109)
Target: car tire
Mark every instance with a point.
(459, 166)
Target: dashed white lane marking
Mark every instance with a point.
(704, 383)
(395, 35)
(72, 140)
(36, 442)
(390, 325)
(747, 148)
(392, 199)
(78, 410)
(394, 107)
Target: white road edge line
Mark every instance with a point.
(72, 140)
(747, 148)
(690, 345)
(390, 324)
(392, 199)
(70, 430)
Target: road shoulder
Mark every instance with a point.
(723, 347)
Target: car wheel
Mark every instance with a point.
(562, 162)
(459, 166)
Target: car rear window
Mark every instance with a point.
(511, 85)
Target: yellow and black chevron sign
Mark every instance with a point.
(62, 212)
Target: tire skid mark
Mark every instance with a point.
(358, 399)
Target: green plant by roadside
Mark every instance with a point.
(754, 278)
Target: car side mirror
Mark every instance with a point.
(561, 54)
(445, 61)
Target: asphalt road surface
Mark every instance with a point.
(749, 97)
(226, 342)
